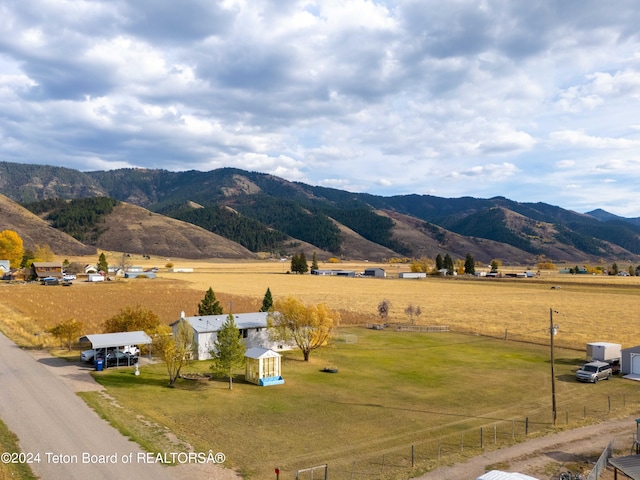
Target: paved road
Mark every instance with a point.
(49, 419)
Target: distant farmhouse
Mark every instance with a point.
(252, 326)
(334, 273)
(46, 269)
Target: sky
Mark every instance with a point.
(536, 101)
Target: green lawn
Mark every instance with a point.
(393, 390)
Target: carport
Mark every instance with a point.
(629, 466)
(104, 341)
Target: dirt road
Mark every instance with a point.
(545, 457)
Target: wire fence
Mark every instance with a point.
(428, 453)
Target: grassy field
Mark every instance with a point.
(393, 390)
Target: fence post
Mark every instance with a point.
(438, 449)
(481, 437)
(413, 456)
(513, 429)
(495, 434)
(609, 401)
(526, 426)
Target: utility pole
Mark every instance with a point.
(552, 332)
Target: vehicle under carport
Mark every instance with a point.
(106, 341)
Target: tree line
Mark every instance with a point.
(80, 218)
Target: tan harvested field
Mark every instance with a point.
(359, 416)
(589, 308)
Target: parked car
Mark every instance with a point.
(594, 371)
(69, 276)
(50, 281)
(118, 358)
(89, 355)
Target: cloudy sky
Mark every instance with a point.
(532, 100)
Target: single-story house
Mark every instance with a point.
(252, 326)
(374, 272)
(90, 269)
(140, 274)
(630, 362)
(263, 367)
(46, 269)
(334, 273)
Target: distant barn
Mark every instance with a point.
(375, 272)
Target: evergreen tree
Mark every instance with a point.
(299, 264)
(103, 266)
(228, 350)
(469, 265)
(448, 264)
(209, 304)
(314, 262)
(267, 301)
(295, 262)
(439, 262)
(303, 266)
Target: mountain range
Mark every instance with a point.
(232, 213)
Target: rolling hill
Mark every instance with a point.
(256, 212)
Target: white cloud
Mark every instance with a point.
(380, 96)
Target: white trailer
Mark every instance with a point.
(603, 351)
(610, 353)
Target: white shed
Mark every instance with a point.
(263, 367)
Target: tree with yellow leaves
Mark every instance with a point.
(308, 326)
(175, 350)
(11, 248)
(67, 331)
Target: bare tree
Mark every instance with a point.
(410, 310)
(383, 309)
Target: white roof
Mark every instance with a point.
(106, 340)
(499, 475)
(260, 352)
(213, 323)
